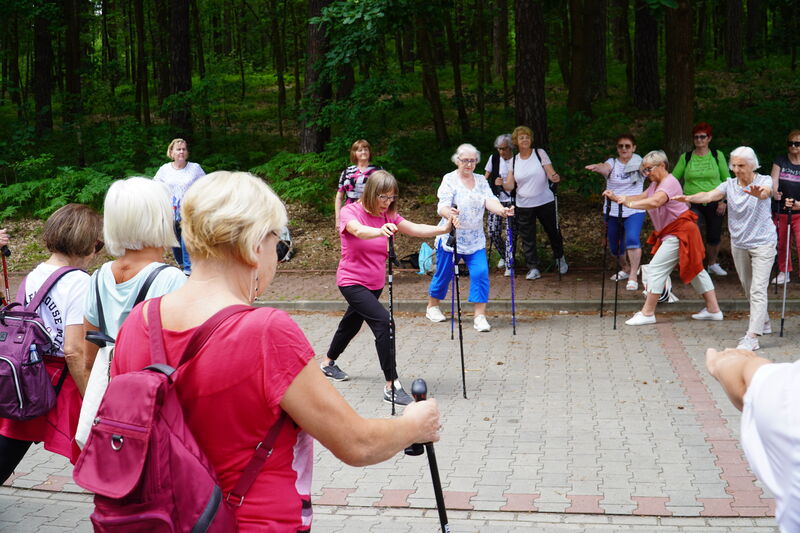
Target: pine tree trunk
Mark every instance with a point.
(679, 110)
(43, 70)
(142, 93)
(500, 44)
(317, 95)
(197, 34)
(756, 21)
(531, 106)
(14, 86)
(453, 46)
(733, 34)
(701, 37)
(596, 20)
(430, 81)
(72, 61)
(181, 72)
(621, 38)
(579, 97)
(279, 60)
(646, 94)
(159, 37)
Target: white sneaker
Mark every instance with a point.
(748, 343)
(507, 273)
(631, 286)
(781, 278)
(434, 314)
(767, 328)
(619, 276)
(640, 319)
(704, 314)
(481, 324)
(533, 274)
(716, 270)
(501, 263)
(563, 267)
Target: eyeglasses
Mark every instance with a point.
(701, 137)
(98, 246)
(790, 144)
(647, 170)
(624, 145)
(503, 148)
(384, 197)
(469, 161)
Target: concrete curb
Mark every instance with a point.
(544, 306)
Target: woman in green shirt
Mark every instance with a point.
(701, 170)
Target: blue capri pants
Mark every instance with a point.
(478, 275)
(632, 228)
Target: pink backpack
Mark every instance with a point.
(142, 462)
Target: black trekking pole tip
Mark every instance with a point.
(5, 251)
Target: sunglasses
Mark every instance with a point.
(790, 144)
(385, 197)
(624, 145)
(98, 246)
(701, 137)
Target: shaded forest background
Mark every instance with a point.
(92, 91)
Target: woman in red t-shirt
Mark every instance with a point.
(364, 228)
(257, 363)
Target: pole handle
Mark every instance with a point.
(419, 390)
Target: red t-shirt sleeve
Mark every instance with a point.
(288, 353)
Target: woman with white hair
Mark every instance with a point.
(137, 228)
(256, 364)
(496, 173)
(753, 237)
(676, 240)
(466, 195)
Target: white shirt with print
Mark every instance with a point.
(471, 208)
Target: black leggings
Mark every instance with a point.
(11, 453)
(712, 220)
(526, 222)
(363, 305)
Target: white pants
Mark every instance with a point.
(753, 267)
(665, 261)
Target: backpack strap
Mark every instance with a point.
(686, 157)
(256, 463)
(147, 283)
(199, 337)
(44, 290)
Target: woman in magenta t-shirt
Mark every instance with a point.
(364, 227)
(256, 363)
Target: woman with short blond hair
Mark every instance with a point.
(256, 364)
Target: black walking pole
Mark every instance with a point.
(619, 262)
(392, 260)
(419, 390)
(5, 252)
(605, 260)
(786, 264)
(510, 265)
(453, 243)
(554, 188)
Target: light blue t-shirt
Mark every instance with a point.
(118, 298)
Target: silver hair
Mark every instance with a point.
(466, 147)
(502, 139)
(656, 157)
(746, 153)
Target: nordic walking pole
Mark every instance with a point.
(786, 264)
(392, 260)
(605, 260)
(453, 242)
(5, 252)
(554, 188)
(510, 266)
(419, 390)
(619, 263)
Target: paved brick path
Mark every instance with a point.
(569, 425)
